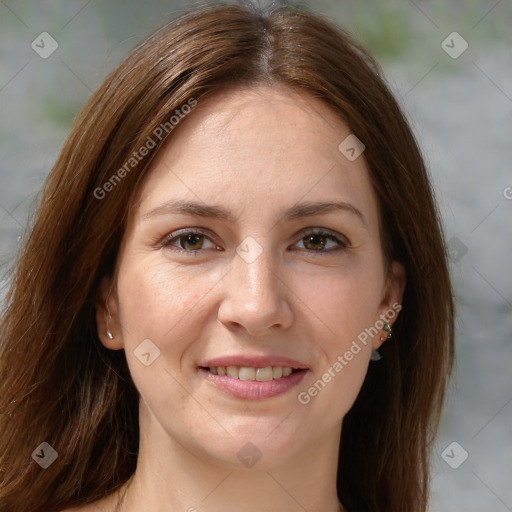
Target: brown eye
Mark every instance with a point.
(187, 241)
(322, 242)
(314, 242)
(191, 241)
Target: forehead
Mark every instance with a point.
(262, 121)
(270, 144)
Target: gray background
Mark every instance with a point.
(461, 111)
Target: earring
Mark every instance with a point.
(386, 327)
(109, 334)
(375, 355)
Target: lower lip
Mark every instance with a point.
(253, 389)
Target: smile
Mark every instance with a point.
(248, 373)
(250, 383)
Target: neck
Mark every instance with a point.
(171, 477)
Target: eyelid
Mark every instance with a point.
(342, 240)
(165, 242)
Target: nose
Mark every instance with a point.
(256, 296)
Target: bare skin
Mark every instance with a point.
(255, 152)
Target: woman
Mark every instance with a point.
(235, 294)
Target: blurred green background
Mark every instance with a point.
(105, 30)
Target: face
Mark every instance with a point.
(256, 276)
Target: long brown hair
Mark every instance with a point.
(61, 386)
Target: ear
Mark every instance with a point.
(391, 303)
(107, 317)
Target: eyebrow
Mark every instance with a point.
(298, 211)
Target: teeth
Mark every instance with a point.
(263, 374)
(246, 373)
(232, 371)
(250, 373)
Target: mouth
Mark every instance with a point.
(253, 378)
(249, 373)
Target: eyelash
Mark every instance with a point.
(167, 241)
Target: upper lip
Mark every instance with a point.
(254, 361)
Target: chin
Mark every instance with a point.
(262, 450)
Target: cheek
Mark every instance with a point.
(164, 303)
(332, 391)
(344, 308)
(336, 380)
(343, 303)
